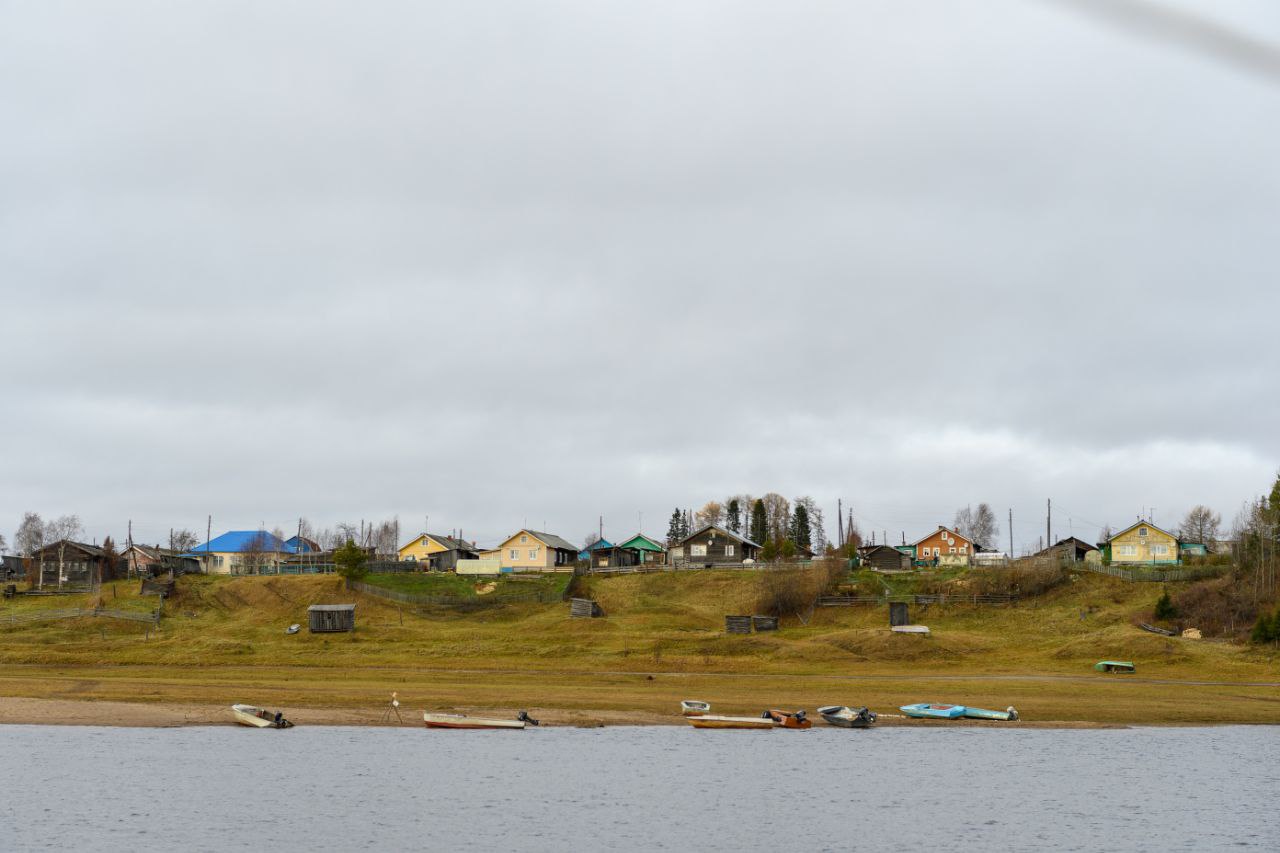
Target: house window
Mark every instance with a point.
(677, 551)
(953, 550)
(1160, 550)
(697, 550)
(524, 539)
(1128, 550)
(424, 541)
(728, 550)
(515, 553)
(1142, 531)
(962, 548)
(533, 553)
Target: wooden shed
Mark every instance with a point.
(331, 618)
(884, 558)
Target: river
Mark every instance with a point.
(338, 789)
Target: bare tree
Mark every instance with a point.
(977, 525)
(257, 554)
(1201, 524)
(777, 513)
(183, 540)
(1104, 535)
(712, 512)
(61, 530)
(30, 536)
(385, 537)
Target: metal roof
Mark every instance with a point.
(717, 527)
(553, 540)
(331, 608)
(239, 541)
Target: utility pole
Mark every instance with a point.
(1048, 523)
(839, 522)
(208, 536)
(600, 532)
(1010, 533)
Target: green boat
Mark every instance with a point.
(1008, 714)
(1115, 666)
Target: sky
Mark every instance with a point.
(513, 264)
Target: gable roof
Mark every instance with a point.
(598, 545)
(1142, 522)
(240, 541)
(948, 529)
(302, 545)
(91, 550)
(704, 528)
(447, 542)
(640, 542)
(549, 539)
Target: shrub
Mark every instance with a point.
(1266, 629)
(1022, 578)
(1220, 606)
(795, 590)
(1164, 608)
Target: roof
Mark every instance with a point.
(152, 551)
(91, 550)
(447, 542)
(331, 608)
(640, 542)
(868, 549)
(552, 541)
(306, 544)
(239, 541)
(598, 545)
(948, 529)
(1070, 541)
(704, 528)
(1141, 523)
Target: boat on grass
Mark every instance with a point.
(717, 721)
(788, 720)
(933, 710)
(1115, 666)
(694, 708)
(259, 718)
(846, 717)
(1007, 715)
(462, 721)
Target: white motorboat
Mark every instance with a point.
(694, 708)
(462, 721)
(259, 718)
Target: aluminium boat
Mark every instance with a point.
(1007, 715)
(462, 721)
(259, 718)
(717, 721)
(846, 717)
(694, 708)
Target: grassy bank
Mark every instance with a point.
(661, 640)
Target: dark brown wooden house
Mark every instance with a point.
(712, 546)
(884, 558)
(1069, 550)
(66, 563)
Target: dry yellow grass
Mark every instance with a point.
(661, 640)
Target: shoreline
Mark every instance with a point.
(16, 710)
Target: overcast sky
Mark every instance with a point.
(533, 262)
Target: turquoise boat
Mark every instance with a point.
(1006, 715)
(1115, 666)
(933, 711)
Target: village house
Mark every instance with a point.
(66, 562)
(884, 558)
(241, 552)
(533, 551)
(436, 552)
(145, 560)
(944, 547)
(1142, 543)
(1072, 550)
(712, 545)
(639, 550)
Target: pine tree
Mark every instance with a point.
(759, 523)
(1265, 630)
(675, 527)
(1164, 607)
(769, 551)
(800, 533)
(735, 516)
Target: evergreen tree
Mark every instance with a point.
(787, 550)
(1266, 629)
(675, 527)
(759, 523)
(735, 516)
(800, 533)
(769, 551)
(349, 561)
(1164, 607)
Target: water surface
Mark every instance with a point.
(322, 789)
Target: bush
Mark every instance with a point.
(349, 562)
(1266, 629)
(1218, 607)
(1164, 608)
(790, 591)
(1022, 578)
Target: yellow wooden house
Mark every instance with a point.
(437, 553)
(1142, 543)
(534, 551)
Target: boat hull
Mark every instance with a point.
(983, 714)
(933, 711)
(460, 721)
(690, 708)
(252, 716)
(716, 721)
(847, 718)
(787, 720)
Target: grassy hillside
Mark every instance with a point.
(219, 632)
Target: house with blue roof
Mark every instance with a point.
(242, 552)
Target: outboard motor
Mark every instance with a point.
(800, 716)
(524, 717)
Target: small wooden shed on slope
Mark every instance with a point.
(331, 618)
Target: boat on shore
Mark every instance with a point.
(846, 717)
(462, 721)
(259, 718)
(1007, 715)
(717, 721)
(1121, 666)
(933, 711)
(788, 720)
(694, 708)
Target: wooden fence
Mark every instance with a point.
(941, 599)
(75, 613)
(1152, 575)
